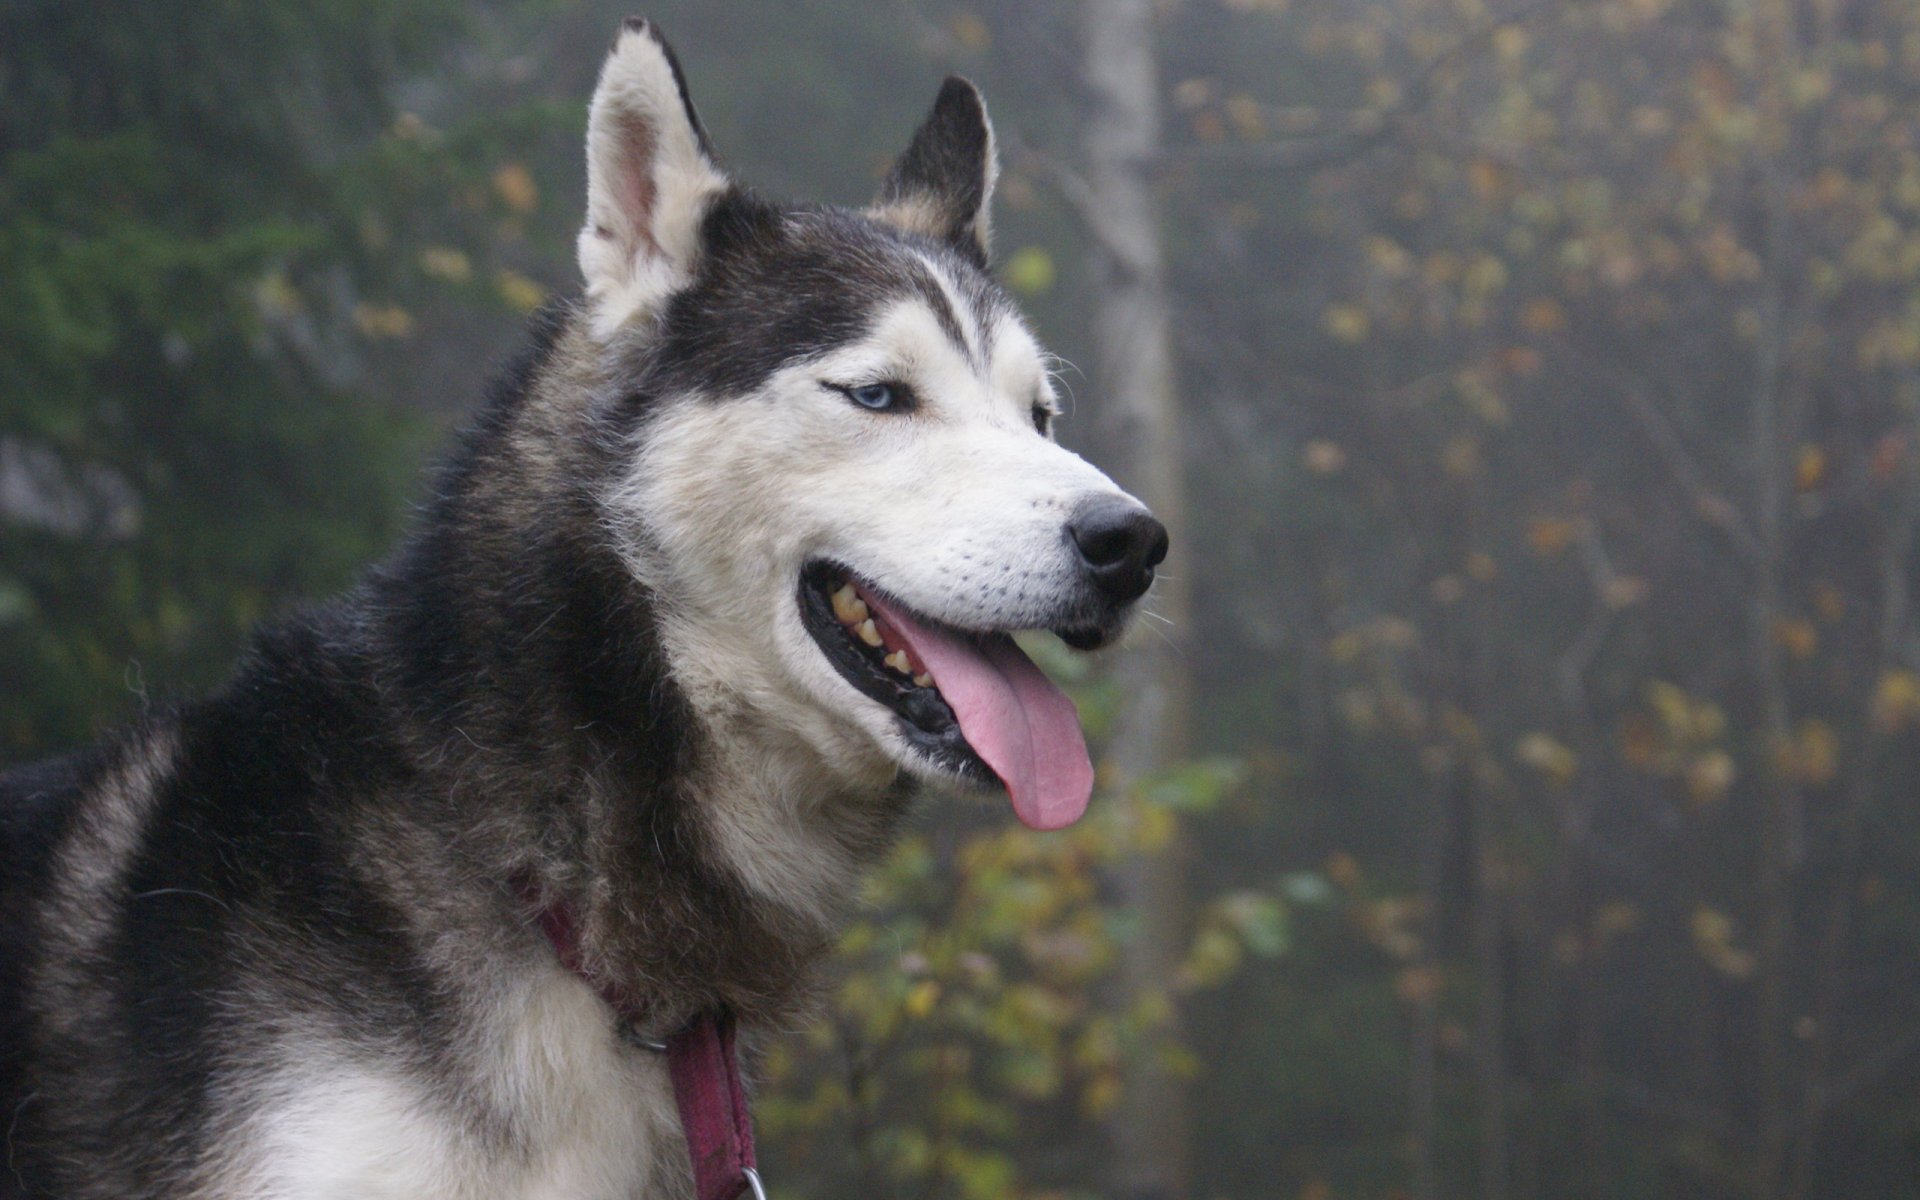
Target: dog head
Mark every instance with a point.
(844, 483)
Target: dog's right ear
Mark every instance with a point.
(650, 178)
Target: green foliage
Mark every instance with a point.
(978, 1026)
(187, 437)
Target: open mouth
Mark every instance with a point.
(972, 704)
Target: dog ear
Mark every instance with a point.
(650, 177)
(942, 184)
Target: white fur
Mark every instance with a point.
(958, 509)
(941, 508)
(648, 185)
(568, 1113)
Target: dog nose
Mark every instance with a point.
(1120, 543)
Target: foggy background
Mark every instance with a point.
(1515, 795)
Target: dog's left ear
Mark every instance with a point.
(941, 186)
(650, 179)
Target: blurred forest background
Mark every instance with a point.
(1519, 799)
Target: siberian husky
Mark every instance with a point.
(720, 576)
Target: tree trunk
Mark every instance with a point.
(1133, 372)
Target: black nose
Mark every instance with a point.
(1120, 543)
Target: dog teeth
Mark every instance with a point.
(848, 606)
(866, 632)
(923, 680)
(898, 661)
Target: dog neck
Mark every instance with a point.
(701, 1062)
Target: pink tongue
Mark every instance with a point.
(1012, 715)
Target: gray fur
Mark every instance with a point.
(279, 942)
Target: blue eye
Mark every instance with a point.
(887, 396)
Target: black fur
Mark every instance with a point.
(947, 167)
(434, 724)
(302, 853)
(781, 285)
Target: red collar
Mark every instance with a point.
(701, 1062)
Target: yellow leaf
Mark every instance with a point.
(1388, 256)
(921, 998)
(444, 262)
(1418, 985)
(1550, 535)
(1623, 591)
(1548, 756)
(514, 184)
(277, 297)
(1214, 957)
(1323, 457)
(1811, 755)
(1713, 933)
(1486, 276)
(1520, 360)
(1029, 271)
(1896, 700)
(1543, 315)
(971, 32)
(1819, 752)
(1487, 179)
(1343, 869)
(1809, 467)
(1685, 718)
(1154, 829)
(1510, 41)
(1244, 113)
(382, 321)
(1797, 636)
(1711, 927)
(518, 291)
(1193, 93)
(1391, 924)
(1347, 323)
(1101, 1094)
(1709, 775)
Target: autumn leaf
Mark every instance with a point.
(446, 263)
(1029, 270)
(1809, 467)
(1797, 636)
(1896, 700)
(1549, 756)
(514, 185)
(519, 292)
(1418, 985)
(1346, 323)
(1810, 755)
(1713, 936)
(1550, 535)
(1708, 776)
(1323, 457)
(382, 321)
